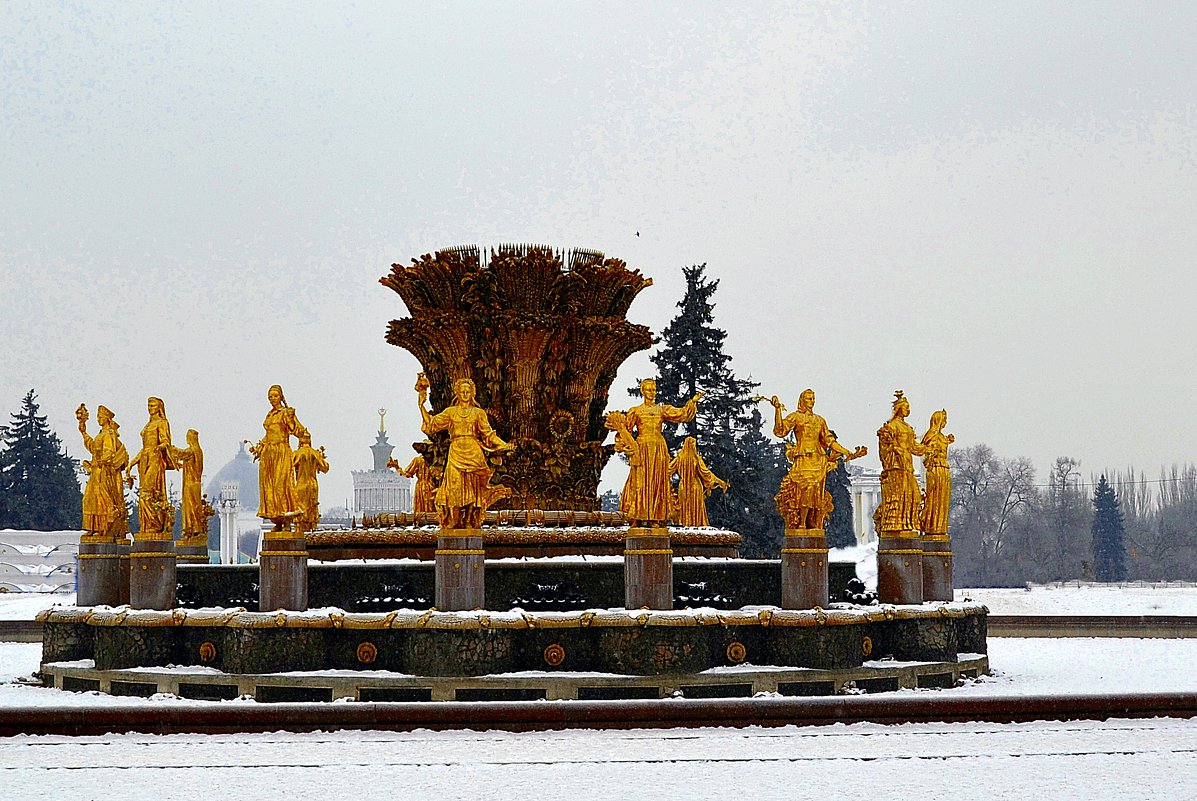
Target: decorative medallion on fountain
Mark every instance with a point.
(542, 332)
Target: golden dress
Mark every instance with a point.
(191, 461)
(939, 484)
(467, 476)
(308, 461)
(694, 483)
(276, 474)
(422, 499)
(901, 497)
(104, 497)
(804, 488)
(154, 459)
(652, 500)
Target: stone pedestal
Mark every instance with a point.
(460, 570)
(647, 569)
(937, 567)
(192, 550)
(152, 576)
(899, 568)
(283, 572)
(123, 548)
(98, 574)
(804, 569)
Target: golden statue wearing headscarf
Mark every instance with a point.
(155, 515)
(651, 498)
(695, 481)
(465, 492)
(934, 519)
(104, 516)
(276, 472)
(901, 497)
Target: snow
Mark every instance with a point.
(1086, 599)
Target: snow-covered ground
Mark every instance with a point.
(1091, 599)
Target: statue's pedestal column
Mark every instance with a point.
(899, 568)
(193, 550)
(460, 570)
(98, 575)
(123, 548)
(283, 572)
(804, 569)
(647, 569)
(937, 567)
(152, 576)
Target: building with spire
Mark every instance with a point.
(381, 490)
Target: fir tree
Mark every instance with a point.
(1109, 534)
(840, 531)
(37, 479)
(690, 359)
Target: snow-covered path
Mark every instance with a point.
(1130, 759)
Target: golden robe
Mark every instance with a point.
(934, 519)
(154, 459)
(308, 462)
(694, 483)
(191, 461)
(901, 497)
(104, 496)
(276, 473)
(803, 495)
(423, 494)
(651, 501)
(467, 475)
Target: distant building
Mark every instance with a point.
(865, 488)
(234, 531)
(381, 490)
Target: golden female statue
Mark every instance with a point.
(939, 478)
(104, 515)
(155, 515)
(694, 483)
(465, 492)
(276, 473)
(308, 462)
(423, 494)
(803, 500)
(651, 501)
(191, 462)
(900, 493)
(625, 443)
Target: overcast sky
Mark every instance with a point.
(990, 206)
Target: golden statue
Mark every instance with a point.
(276, 472)
(191, 462)
(803, 500)
(104, 515)
(901, 497)
(939, 478)
(423, 498)
(650, 502)
(625, 443)
(308, 462)
(155, 515)
(695, 481)
(465, 492)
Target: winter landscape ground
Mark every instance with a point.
(1084, 759)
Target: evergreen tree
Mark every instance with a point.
(690, 359)
(1109, 534)
(37, 479)
(840, 531)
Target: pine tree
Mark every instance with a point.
(728, 425)
(840, 531)
(37, 479)
(1109, 534)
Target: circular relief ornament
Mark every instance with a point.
(207, 652)
(736, 652)
(367, 652)
(561, 424)
(866, 646)
(554, 655)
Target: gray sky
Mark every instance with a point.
(988, 206)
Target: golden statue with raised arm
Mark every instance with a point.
(934, 519)
(650, 502)
(276, 473)
(104, 515)
(465, 492)
(155, 515)
(695, 481)
(308, 462)
(803, 500)
(901, 497)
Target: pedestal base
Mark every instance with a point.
(192, 550)
(152, 576)
(804, 569)
(937, 567)
(647, 569)
(123, 549)
(283, 572)
(899, 568)
(98, 580)
(460, 570)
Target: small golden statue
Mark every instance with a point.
(104, 515)
(191, 462)
(695, 481)
(155, 514)
(625, 443)
(651, 499)
(308, 462)
(276, 472)
(465, 492)
(934, 519)
(423, 498)
(901, 497)
(803, 500)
